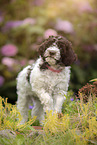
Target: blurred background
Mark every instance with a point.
(24, 24)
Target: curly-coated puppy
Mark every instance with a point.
(46, 82)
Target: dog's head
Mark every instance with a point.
(57, 49)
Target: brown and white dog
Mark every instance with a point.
(46, 82)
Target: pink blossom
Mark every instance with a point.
(8, 61)
(11, 24)
(1, 80)
(49, 32)
(65, 26)
(17, 23)
(38, 2)
(29, 21)
(23, 62)
(9, 50)
(84, 7)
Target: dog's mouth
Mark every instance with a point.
(51, 58)
(53, 61)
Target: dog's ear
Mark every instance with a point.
(47, 43)
(68, 55)
(42, 49)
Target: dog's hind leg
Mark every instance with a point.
(23, 106)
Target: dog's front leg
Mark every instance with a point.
(59, 100)
(45, 99)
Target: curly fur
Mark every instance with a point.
(46, 82)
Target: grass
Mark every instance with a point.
(77, 126)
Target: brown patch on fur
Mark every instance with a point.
(67, 54)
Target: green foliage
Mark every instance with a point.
(27, 34)
(10, 118)
(77, 126)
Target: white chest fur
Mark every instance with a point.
(50, 81)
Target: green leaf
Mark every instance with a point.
(30, 127)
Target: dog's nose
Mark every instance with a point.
(52, 53)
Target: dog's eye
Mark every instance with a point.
(52, 53)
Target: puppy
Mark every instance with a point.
(46, 82)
